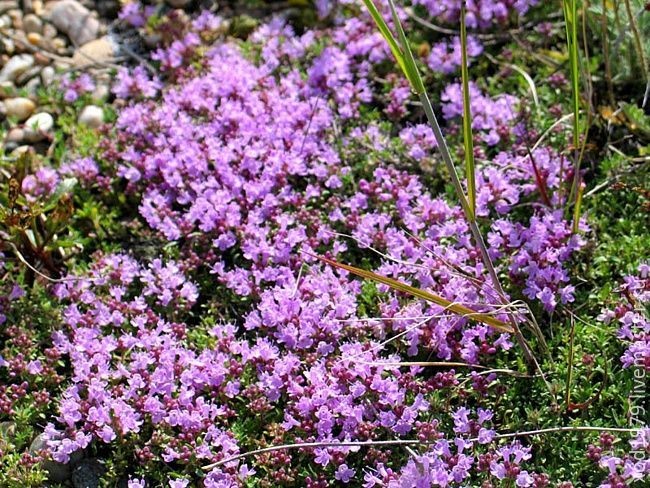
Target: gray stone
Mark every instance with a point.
(92, 116)
(100, 50)
(49, 31)
(27, 75)
(7, 5)
(7, 46)
(16, 18)
(16, 66)
(76, 21)
(32, 24)
(15, 135)
(19, 108)
(38, 126)
(32, 86)
(7, 430)
(101, 92)
(47, 75)
(87, 474)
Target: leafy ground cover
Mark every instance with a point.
(174, 311)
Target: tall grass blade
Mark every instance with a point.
(570, 10)
(412, 73)
(386, 33)
(424, 295)
(468, 139)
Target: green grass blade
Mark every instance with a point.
(412, 72)
(387, 34)
(424, 295)
(570, 10)
(468, 140)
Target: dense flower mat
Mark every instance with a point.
(246, 159)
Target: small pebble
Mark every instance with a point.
(41, 59)
(16, 18)
(47, 75)
(92, 116)
(15, 135)
(101, 92)
(75, 20)
(19, 108)
(32, 24)
(16, 66)
(38, 126)
(27, 75)
(7, 46)
(100, 50)
(34, 38)
(32, 86)
(49, 31)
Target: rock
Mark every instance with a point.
(76, 21)
(41, 59)
(37, 7)
(34, 38)
(100, 50)
(7, 430)
(19, 108)
(100, 92)
(32, 24)
(92, 116)
(87, 474)
(15, 135)
(58, 45)
(38, 126)
(8, 5)
(7, 46)
(47, 75)
(178, 3)
(57, 472)
(49, 31)
(28, 75)
(7, 89)
(16, 66)
(20, 150)
(16, 18)
(32, 86)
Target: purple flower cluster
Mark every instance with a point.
(491, 118)
(446, 56)
(481, 14)
(75, 87)
(631, 314)
(135, 83)
(622, 468)
(540, 251)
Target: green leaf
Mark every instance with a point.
(64, 188)
(468, 138)
(386, 33)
